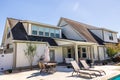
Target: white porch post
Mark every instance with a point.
(76, 52)
(92, 53)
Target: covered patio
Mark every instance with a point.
(77, 49)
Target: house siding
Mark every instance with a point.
(21, 59)
(106, 37)
(98, 33)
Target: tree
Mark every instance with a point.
(113, 50)
(30, 52)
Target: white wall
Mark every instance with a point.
(58, 54)
(101, 53)
(95, 52)
(69, 32)
(21, 59)
(98, 33)
(106, 37)
(6, 61)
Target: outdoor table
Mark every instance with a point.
(50, 66)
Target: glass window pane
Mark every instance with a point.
(46, 29)
(52, 31)
(47, 32)
(83, 49)
(41, 31)
(34, 32)
(57, 33)
(34, 29)
(51, 34)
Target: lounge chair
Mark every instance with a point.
(78, 70)
(86, 67)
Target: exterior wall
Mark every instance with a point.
(21, 59)
(60, 42)
(58, 54)
(62, 23)
(6, 61)
(69, 32)
(101, 53)
(95, 52)
(98, 33)
(29, 29)
(26, 26)
(106, 37)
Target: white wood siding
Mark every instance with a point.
(21, 59)
(70, 33)
(106, 37)
(6, 61)
(101, 53)
(58, 54)
(98, 33)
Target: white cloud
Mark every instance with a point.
(76, 6)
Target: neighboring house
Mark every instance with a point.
(70, 39)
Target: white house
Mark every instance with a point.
(69, 39)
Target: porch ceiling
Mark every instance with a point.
(64, 42)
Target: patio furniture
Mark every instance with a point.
(47, 67)
(86, 67)
(78, 70)
(42, 67)
(51, 66)
(68, 62)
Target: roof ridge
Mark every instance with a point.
(84, 24)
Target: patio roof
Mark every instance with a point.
(66, 42)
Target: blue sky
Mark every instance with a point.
(101, 13)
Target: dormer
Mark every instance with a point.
(105, 34)
(45, 30)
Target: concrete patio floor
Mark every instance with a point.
(62, 73)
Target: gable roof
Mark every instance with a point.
(82, 29)
(19, 33)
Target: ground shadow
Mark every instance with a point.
(39, 74)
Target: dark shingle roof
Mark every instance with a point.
(50, 40)
(99, 41)
(19, 33)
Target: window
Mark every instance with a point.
(84, 53)
(110, 36)
(52, 33)
(34, 30)
(57, 33)
(41, 31)
(47, 32)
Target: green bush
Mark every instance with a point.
(111, 52)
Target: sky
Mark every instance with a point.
(99, 13)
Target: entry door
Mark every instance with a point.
(84, 52)
(52, 55)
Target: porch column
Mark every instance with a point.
(76, 52)
(92, 53)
